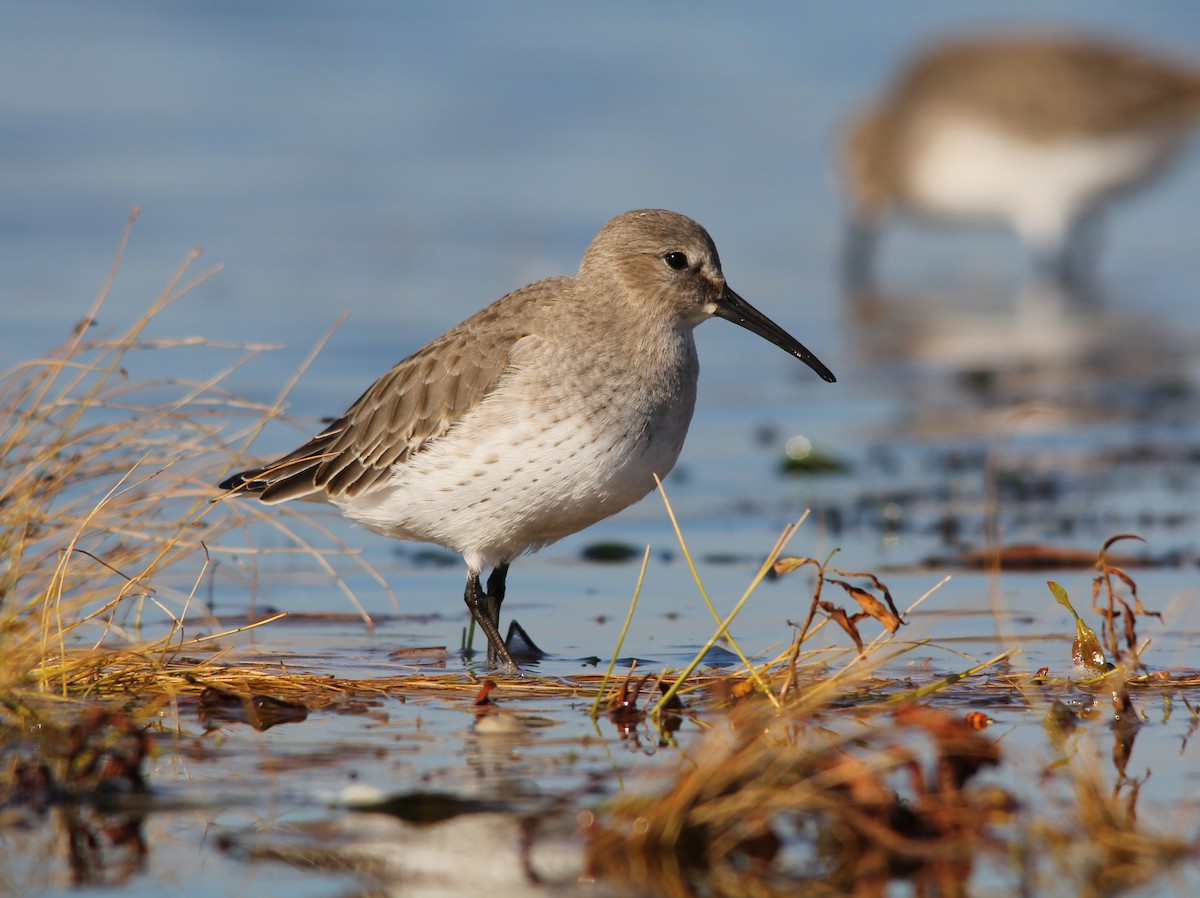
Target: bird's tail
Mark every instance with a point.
(291, 477)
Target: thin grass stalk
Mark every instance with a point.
(788, 532)
(700, 583)
(687, 554)
(637, 592)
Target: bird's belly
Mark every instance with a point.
(508, 479)
(967, 168)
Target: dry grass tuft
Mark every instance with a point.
(107, 519)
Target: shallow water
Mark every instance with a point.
(410, 164)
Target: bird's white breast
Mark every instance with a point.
(559, 445)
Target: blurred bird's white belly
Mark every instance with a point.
(966, 167)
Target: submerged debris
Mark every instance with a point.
(218, 706)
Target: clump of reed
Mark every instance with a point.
(107, 518)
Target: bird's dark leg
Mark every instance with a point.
(495, 592)
(480, 606)
(495, 598)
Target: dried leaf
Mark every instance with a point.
(1029, 557)
(844, 621)
(877, 583)
(1115, 539)
(1128, 581)
(787, 565)
(872, 606)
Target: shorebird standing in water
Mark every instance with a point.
(1036, 133)
(547, 411)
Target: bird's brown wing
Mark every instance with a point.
(416, 401)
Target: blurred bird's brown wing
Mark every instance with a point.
(1051, 86)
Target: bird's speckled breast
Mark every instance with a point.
(566, 440)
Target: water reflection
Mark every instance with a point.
(968, 358)
(90, 845)
(465, 854)
(79, 791)
(218, 707)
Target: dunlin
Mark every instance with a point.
(547, 411)
(1035, 133)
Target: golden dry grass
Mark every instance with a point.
(107, 518)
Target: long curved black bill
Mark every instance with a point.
(733, 308)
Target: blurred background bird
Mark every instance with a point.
(1036, 133)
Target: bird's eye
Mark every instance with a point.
(676, 260)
